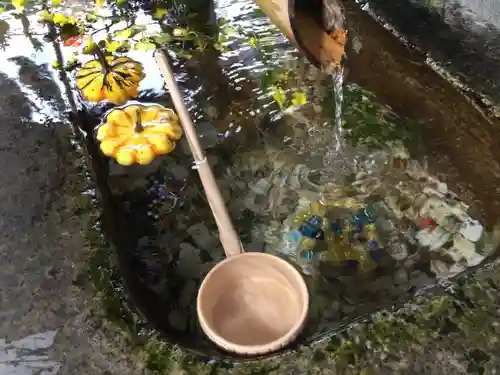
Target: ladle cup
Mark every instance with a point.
(250, 303)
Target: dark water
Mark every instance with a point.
(277, 168)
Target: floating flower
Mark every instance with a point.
(137, 133)
(74, 41)
(115, 79)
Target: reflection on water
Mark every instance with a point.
(331, 186)
(27, 356)
(27, 63)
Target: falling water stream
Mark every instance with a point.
(341, 158)
(338, 87)
(336, 159)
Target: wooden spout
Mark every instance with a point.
(316, 27)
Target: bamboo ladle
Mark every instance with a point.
(249, 303)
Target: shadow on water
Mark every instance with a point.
(45, 87)
(33, 161)
(269, 164)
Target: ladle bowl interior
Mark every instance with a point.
(252, 303)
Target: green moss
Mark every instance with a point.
(112, 311)
(461, 322)
(370, 123)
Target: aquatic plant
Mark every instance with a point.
(370, 123)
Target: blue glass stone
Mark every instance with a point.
(311, 227)
(336, 228)
(314, 221)
(307, 255)
(373, 244)
(308, 231)
(295, 235)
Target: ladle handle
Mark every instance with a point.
(228, 236)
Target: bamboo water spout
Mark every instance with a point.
(315, 26)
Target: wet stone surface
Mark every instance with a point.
(461, 35)
(45, 325)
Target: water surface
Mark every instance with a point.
(389, 227)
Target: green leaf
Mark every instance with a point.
(91, 17)
(162, 39)
(253, 42)
(56, 64)
(258, 13)
(121, 2)
(222, 38)
(55, 3)
(299, 98)
(4, 32)
(144, 46)
(114, 45)
(89, 48)
(60, 19)
(279, 95)
(228, 30)
(221, 47)
(185, 55)
(124, 34)
(159, 13)
(2, 9)
(18, 4)
(137, 29)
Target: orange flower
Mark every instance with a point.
(74, 41)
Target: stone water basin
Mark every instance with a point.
(273, 167)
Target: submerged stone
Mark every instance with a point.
(189, 264)
(472, 230)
